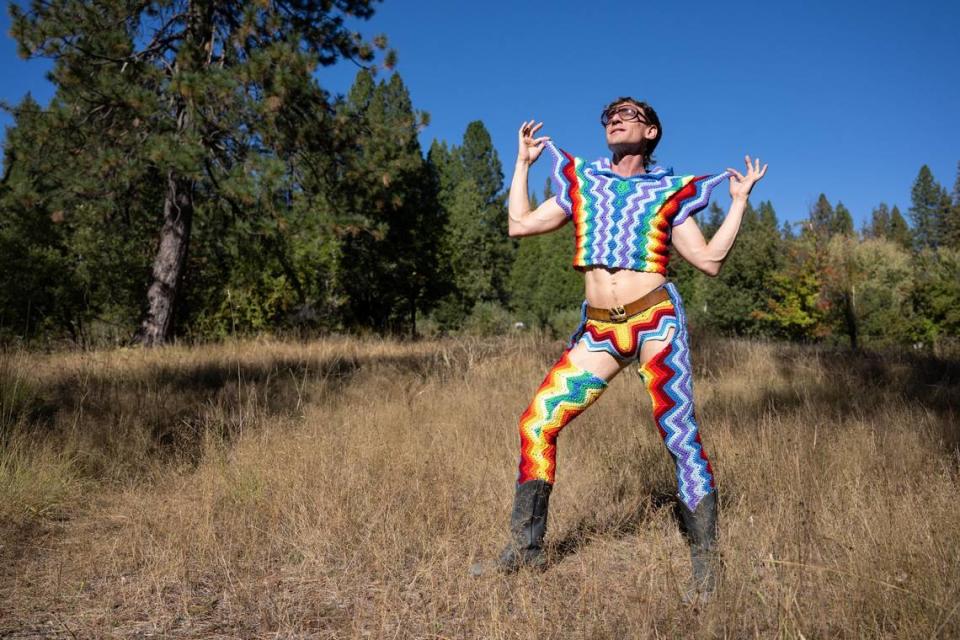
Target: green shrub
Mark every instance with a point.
(488, 319)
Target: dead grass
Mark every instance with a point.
(341, 489)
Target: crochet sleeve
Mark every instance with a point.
(696, 195)
(563, 176)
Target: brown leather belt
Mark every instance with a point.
(622, 313)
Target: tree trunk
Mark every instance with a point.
(178, 200)
(413, 317)
(168, 265)
(850, 315)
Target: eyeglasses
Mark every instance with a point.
(626, 112)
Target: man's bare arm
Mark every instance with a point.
(548, 216)
(709, 257)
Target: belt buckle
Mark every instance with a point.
(618, 314)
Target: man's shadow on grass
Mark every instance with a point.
(614, 523)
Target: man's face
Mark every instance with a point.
(626, 128)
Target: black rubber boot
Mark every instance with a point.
(701, 526)
(528, 525)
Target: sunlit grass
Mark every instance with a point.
(341, 488)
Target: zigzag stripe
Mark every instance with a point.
(601, 230)
(657, 226)
(668, 380)
(694, 472)
(681, 418)
(704, 187)
(561, 185)
(639, 236)
(623, 340)
(564, 394)
(583, 212)
(630, 225)
(646, 225)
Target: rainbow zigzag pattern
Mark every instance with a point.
(668, 379)
(625, 222)
(623, 339)
(564, 394)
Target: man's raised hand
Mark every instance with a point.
(740, 185)
(530, 147)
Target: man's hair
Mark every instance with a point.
(651, 117)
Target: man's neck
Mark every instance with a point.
(628, 164)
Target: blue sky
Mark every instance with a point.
(848, 99)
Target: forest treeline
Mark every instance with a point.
(193, 180)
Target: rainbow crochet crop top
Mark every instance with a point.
(625, 222)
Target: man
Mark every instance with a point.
(624, 218)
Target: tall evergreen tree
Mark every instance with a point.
(879, 226)
(40, 291)
(936, 293)
(842, 222)
(482, 165)
(389, 256)
(899, 230)
(447, 170)
(821, 219)
(74, 258)
(951, 224)
(205, 99)
(476, 243)
(926, 209)
(786, 231)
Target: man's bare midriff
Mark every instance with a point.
(607, 287)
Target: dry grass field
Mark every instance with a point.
(342, 488)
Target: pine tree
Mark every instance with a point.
(951, 223)
(482, 165)
(476, 243)
(786, 231)
(447, 169)
(842, 222)
(389, 254)
(543, 282)
(821, 220)
(206, 97)
(34, 253)
(879, 226)
(899, 231)
(926, 209)
(936, 293)
(74, 258)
